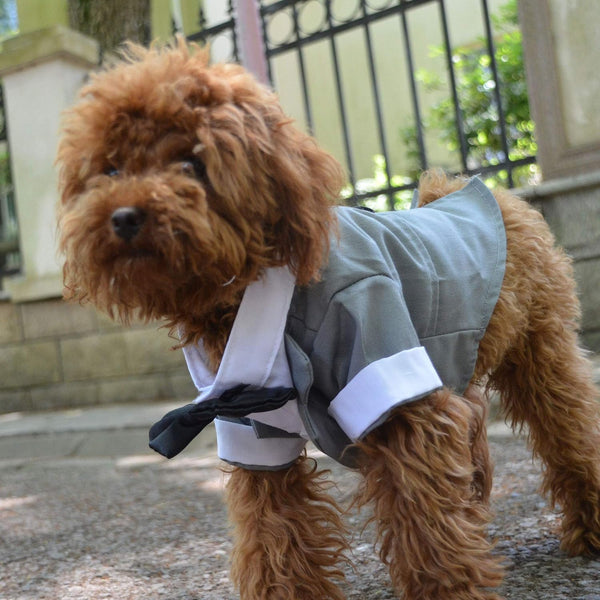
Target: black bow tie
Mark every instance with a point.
(178, 428)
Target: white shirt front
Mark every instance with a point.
(254, 355)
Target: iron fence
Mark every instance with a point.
(463, 111)
(224, 31)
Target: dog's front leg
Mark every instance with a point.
(288, 534)
(420, 473)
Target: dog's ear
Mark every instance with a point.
(269, 175)
(307, 182)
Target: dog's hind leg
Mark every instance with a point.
(544, 380)
(480, 450)
(420, 475)
(547, 385)
(288, 534)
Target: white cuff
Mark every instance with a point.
(237, 444)
(373, 392)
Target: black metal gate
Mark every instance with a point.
(477, 122)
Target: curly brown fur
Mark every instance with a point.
(219, 185)
(420, 477)
(256, 194)
(483, 466)
(289, 534)
(530, 350)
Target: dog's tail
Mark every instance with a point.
(434, 184)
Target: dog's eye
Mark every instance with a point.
(194, 167)
(111, 172)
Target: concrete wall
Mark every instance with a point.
(55, 354)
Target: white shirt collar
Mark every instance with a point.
(254, 353)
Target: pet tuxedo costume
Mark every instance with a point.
(399, 311)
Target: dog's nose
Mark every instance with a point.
(127, 221)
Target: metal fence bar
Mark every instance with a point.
(413, 89)
(265, 37)
(206, 34)
(377, 102)
(497, 96)
(335, 29)
(493, 169)
(340, 95)
(300, 53)
(464, 151)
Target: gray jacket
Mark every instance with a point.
(399, 312)
(426, 278)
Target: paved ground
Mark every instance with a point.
(87, 512)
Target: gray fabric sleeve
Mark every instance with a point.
(365, 322)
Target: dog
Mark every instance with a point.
(187, 195)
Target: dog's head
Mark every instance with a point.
(175, 177)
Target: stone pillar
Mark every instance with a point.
(54, 354)
(562, 50)
(41, 72)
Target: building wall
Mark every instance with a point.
(562, 49)
(59, 355)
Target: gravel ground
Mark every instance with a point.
(141, 528)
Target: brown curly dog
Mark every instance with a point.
(183, 185)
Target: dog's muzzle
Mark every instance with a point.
(127, 221)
